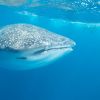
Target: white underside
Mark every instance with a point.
(34, 61)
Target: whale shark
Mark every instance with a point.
(26, 46)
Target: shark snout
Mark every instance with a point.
(60, 44)
(68, 43)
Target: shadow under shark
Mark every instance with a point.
(25, 46)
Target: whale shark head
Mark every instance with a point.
(31, 46)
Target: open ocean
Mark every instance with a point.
(75, 76)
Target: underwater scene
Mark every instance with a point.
(49, 49)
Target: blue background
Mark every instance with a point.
(75, 76)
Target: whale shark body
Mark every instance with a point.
(25, 46)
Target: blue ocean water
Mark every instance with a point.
(75, 76)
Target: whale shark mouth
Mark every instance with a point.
(35, 55)
(42, 53)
